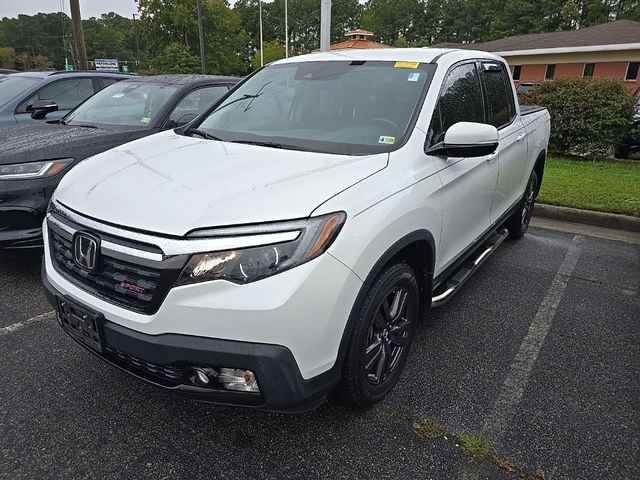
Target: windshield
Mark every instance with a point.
(340, 107)
(11, 86)
(131, 104)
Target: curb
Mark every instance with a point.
(600, 219)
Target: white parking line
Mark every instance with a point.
(518, 377)
(20, 325)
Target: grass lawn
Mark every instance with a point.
(606, 186)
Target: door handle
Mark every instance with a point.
(521, 137)
(491, 157)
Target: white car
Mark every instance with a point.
(285, 245)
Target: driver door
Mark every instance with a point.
(468, 184)
(67, 93)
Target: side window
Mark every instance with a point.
(67, 93)
(498, 94)
(460, 101)
(105, 82)
(196, 102)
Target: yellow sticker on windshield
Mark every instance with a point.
(387, 140)
(407, 64)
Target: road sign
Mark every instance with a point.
(68, 67)
(125, 68)
(107, 64)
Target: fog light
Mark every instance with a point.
(200, 377)
(236, 379)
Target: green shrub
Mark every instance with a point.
(589, 116)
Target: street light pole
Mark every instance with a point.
(261, 45)
(201, 34)
(135, 29)
(325, 24)
(286, 30)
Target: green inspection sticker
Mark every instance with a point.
(387, 140)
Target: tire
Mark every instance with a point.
(382, 337)
(518, 223)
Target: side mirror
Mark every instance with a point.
(467, 139)
(40, 108)
(186, 118)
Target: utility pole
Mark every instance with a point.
(135, 29)
(201, 34)
(286, 30)
(78, 35)
(325, 24)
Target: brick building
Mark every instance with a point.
(609, 50)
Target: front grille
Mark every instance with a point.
(165, 375)
(126, 284)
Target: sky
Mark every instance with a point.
(88, 8)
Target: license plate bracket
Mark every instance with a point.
(81, 323)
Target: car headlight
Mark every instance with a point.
(45, 168)
(254, 263)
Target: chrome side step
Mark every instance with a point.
(447, 289)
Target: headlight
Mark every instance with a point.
(46, 168)
(254, 263)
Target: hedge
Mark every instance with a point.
(589, 116)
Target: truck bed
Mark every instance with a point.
(529, 109)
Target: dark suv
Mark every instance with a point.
(34, 158)
(28, 97)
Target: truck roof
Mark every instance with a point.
(425, 54)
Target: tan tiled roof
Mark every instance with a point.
(358, 44)
(358, 31)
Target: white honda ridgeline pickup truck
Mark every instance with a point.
(286, 244)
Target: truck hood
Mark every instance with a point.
(171, 184)
(31, 143)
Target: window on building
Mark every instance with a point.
(516, 72)
(550, 72)
(632, 71)
(588, 69)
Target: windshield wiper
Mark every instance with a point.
(269, 144)
(83, 125)
(202, 134)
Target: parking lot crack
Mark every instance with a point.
(474, 447)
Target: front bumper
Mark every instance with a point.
(282, 388)
(23, 205)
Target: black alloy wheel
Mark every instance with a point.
(518, 223)
(381, 339)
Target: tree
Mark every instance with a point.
(7, 57)
(273, 50)
(175, 21)
(569, 16)
(176, 58)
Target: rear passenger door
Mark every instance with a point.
(468, 184)
(501, 112)
(68, 93)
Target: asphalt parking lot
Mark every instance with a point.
(539, 355)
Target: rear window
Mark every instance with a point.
(499, 97)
